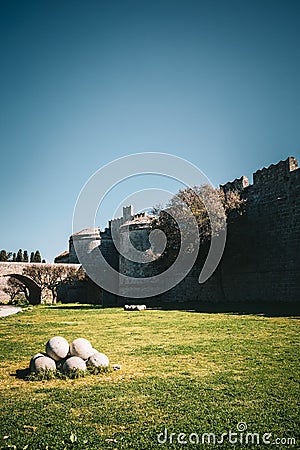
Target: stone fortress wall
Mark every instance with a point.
(262, 257)
(261, 261)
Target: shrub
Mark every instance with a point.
(19, 300)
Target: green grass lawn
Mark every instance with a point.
(184, 372)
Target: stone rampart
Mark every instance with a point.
(261, 261)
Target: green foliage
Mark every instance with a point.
(189, 205)
(43, 375)
(19, 300)
(98, 370)
(17, 291)
(37, 257)
(51, 277)
(3, 256)
(47, 374)
(73, 374)
(19, 255)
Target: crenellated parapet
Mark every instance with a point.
(128, 214)
(239, 184)
(267, 178)
(276, 172)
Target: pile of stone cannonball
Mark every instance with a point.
(134, 307)
(60, 355)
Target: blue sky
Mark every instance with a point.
(83, 83)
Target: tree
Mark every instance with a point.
(43, 261)
(222, 206)
(3, 256)
(19, 255)
(37, 257)
(49, 277)
(15, 287)
(14, 257)
(32, 257)
(25, 256)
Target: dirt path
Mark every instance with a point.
(7, 310)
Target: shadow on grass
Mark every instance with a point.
(263, 309)
(21, 374)
(77, 306)
(266, 309)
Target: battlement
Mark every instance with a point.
(128, 216)
(128, 212)
(276, 172)
(236, 185)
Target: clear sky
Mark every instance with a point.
(85, 82)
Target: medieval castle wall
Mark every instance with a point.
(261, 261)
(262, 257)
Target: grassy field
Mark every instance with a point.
(184, 372)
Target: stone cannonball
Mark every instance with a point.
(140, 307)
(43, 363)
(81, 347)
(57, 348)
(74, 363)
(98, 360)
(31, 364)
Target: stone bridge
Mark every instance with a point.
(15, 270)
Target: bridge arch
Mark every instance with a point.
(16, 270)
(33, 288)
